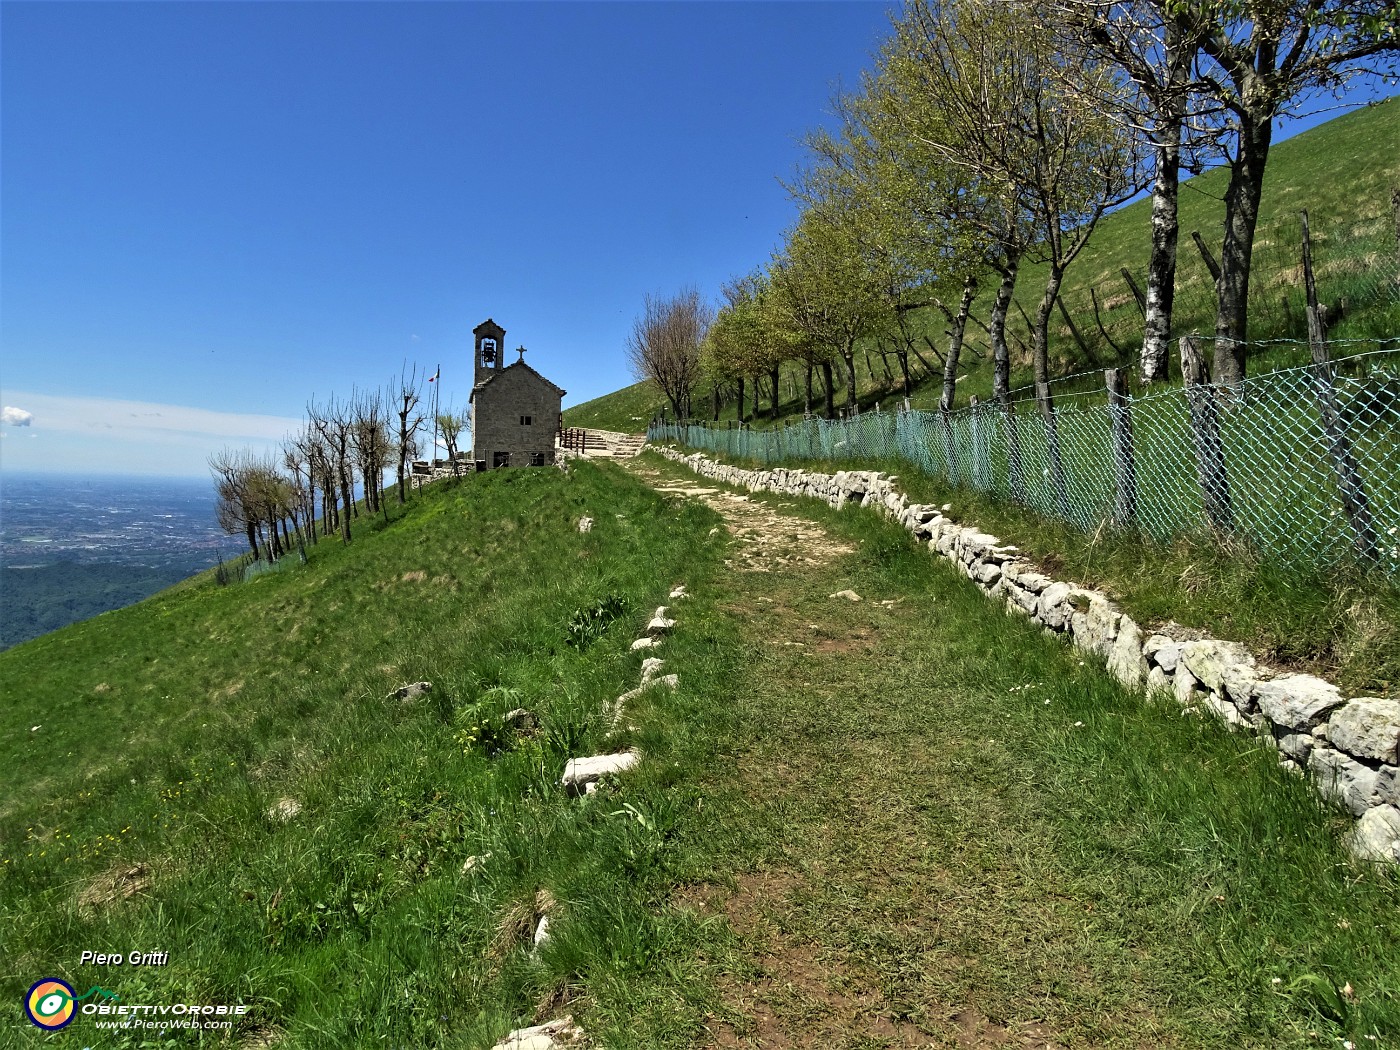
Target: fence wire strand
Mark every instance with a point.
(1303, 463)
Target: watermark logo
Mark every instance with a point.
(51, 1003)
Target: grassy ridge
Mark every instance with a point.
(148, 751)
(1343, 172)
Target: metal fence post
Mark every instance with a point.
(1125, 507)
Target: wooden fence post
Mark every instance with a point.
(1205, 433)
(1353, 491)
(949, 449)
(1015, 466)
(979, 448)
(1125, 505)
(1052, 445)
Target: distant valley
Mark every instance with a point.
(73, 547)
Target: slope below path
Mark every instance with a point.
(931, 827)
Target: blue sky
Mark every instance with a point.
(214, 211)
(218, 210)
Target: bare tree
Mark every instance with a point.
(370, 434)
(1155, 45)
(406, 399)
(335, 424)
(664, 346)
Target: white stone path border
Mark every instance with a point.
(581, 777)
(1350, 746)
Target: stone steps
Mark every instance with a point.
(608, 444)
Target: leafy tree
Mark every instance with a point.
(1263, 56)
(1155, 46)
(452, 424)
(1018, 99)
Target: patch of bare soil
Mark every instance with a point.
(767, 539)
(115, 884)
(803, 995)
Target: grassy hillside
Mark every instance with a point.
(216, 773)
(1343, 172)
(850, 823)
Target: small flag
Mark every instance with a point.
(433, 378)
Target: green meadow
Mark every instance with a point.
(216, 772)
(861, 826)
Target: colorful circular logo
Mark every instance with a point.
(50, 1003)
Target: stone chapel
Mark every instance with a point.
(515, 410)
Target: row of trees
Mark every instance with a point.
(343, 445)
(992, 133)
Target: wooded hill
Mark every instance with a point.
(1343, 172)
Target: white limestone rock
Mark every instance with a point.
(1227, 712)
(1125, 660)
(1376, 837)
(1218, 665)
(646, 643)
(585, 524)
(412, 691)
(650, 666)
(580, 772)
(1388, 785)
(1185, 686)
(1296, 746)
(1340, 777)
(1298, 701)
(1162, 651)
(1054, 607)
(1158, 681)
(987, 572)
(660, 622)
(553, 1035)
(1367, 727)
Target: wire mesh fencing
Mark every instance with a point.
(1303, 463)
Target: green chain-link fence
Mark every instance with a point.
(1304, 462)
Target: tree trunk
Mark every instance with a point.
(348, 500)
(251, 529)
(774, 376)
(955, 341)
(829, 382)
(716, 402)
(1040, 336)
(741, 399)
(1236, 252)
(1161, 264)
(849, 357)
(757, 408)
(807, 399)
(996, 327)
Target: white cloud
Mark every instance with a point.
(15, 417)
(147, 420)
(94, 435)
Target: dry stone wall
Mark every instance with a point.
(1348, 745)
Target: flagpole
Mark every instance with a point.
(437, 381)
